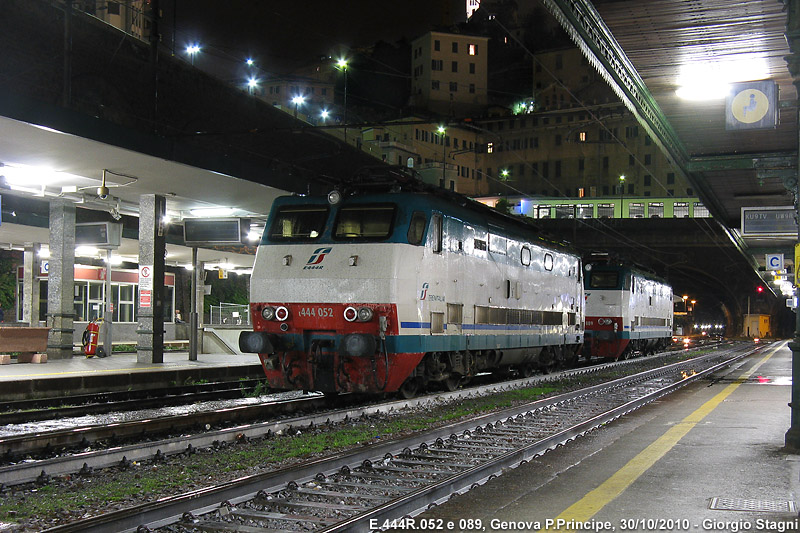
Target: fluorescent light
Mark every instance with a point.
(24, 175)
(86, 251)
(213, 212)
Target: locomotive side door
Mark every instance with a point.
(454, 295)
(432, 274)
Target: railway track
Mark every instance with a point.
(38, 457)
(25, 411)
(371, 488)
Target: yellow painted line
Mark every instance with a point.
(584, 509)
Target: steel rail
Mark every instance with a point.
(85, 462)
(170, 510)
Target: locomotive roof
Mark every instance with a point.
(385, 183)
(457, 206)
(631, 268)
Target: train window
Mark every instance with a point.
(497, 244)
(436, 231)
(416, 230)
(298, 222)
(636, 210)
(565, 211)
(700, 210)
(525, 256)
(603, 280)
(605, 210)
(480, 244)
(364, 222)
(548, 262)
(656, 209)
(680, 210)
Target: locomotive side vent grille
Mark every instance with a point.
(767, 506)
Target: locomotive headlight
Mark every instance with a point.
(364, 314)
(268, 313)
(604, 321)
(350, 314)
(281, 313)
(334, 197)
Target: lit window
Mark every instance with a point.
(582, 136)
(489, 148)
(473, 49)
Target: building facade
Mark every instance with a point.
(449, 73)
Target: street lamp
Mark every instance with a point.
(252, 83)
(442, 131)
(192, 50)
(341, 64)
(324, 114)
(621, 192)
(297, 101)
(250, 62)
(505, 173)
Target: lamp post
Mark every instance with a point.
(621, 193)
(341, 64)
(297, 101)
(192, 50)
(442, 131)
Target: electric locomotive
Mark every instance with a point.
(398, 291)
(627, 311)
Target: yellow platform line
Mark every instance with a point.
(584, 509)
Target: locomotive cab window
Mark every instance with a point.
(364, 222)
(298, 222)
(416, 230)
(603, 280)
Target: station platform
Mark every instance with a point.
(709, 457)
(120, 372)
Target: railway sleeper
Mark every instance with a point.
(208, 526)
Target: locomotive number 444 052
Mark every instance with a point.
(318, 312)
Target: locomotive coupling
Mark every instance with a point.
(358, 345)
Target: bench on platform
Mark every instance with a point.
(31, 343)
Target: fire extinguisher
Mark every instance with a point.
(91, 336)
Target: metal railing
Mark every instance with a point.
(226, 314)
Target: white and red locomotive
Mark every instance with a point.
(386, 292)
(627, 311)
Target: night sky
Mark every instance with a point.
(284, 34)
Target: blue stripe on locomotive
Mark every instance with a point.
(440, 343)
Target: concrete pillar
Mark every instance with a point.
(200, 273)
(61, 280)
(152, 246)
(30, 284)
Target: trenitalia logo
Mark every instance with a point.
(316, 258)
(424, 292)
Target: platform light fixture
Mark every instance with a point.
(212, 212)
(711, 80)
